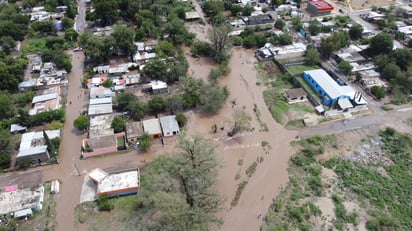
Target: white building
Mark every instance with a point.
(169, 125)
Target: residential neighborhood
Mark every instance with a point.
(205, 115)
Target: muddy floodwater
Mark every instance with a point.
(237, 154)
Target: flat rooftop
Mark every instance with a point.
(34, 139)
(101, 125)
(105, 141)
(119, 181)
(321, 5)
(152, 126)
(19, 199)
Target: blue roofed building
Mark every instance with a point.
(327, 88)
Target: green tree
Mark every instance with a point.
(67, 23)
(124, 38)
(345, 67)
(165, 49)
(107, 83)
(213, 99)
(193, 88)
(145, 142)
(6, 148)
(312, 56)
(297, 23)
(137, 109)
(240, 121)
(106, 10)
(81, 123)
(391, 72)
(378, 92)
(156, 68)
(123, 100)
(6, 105)
(381, 43)
(212, 8)
(355, 32)
(219, 39)
(247, 10)
(314, 27)
(71, 35)
(104, 203)
(280, 24)
(118, 124)
(157, 104)
(181, 119)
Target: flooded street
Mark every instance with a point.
(271, 174)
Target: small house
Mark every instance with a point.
(191, 16)
(133, 131)
(258, 19)
(169, 125)
(101, 92)
(116, 183)
(296, 95)
(152, 127)
(158, 87)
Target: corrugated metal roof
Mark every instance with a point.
(99, 109)
(45, 97)
(330, 86)
(169, 124)
(32, 151)
(107, 100)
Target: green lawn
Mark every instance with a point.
(299, 69)
(306, 86)
(34, 45)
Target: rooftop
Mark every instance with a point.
(100, 91)
(192, 15)
(157, 84)
(331, 87)
(119, 181)
(103, 141)
(321, 5)
(134, 129)
(152, 126)
(100, 109)
(32, 151)
(169, 123)
(101, 125)
(34, 139)
(19, 199)
(45, 97)
(97, 175)
(295, 93)
(107, 100)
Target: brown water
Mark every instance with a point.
(271, 174)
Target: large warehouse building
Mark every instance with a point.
(319, 7)
(327, 88)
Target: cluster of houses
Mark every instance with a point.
(39, 14)
(48, 76)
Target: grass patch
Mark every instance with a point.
(293, 124)
(263, 126)
(239, 191)
(266, 71)
(34, 45)
(122, 215)
(121, 143)
(276, 104)
(308, 88)
(409, 122)
(299, 69)
(386, 108)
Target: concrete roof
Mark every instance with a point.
(105, 141)
(97, 175)
(331, 87)
(101, 125)
(295, 93)
(192, 15)
(100, 91)
(157, 84)
(344, 103)
(45, 97)
(107, 100)
(100, 109)
(20, 199)
(32, 151)
(134, 129)
(17, 128)
(169, 124)
(119, 181)
(33, 139)
(152, 126)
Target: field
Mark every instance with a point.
(363, 187)
(299, 69)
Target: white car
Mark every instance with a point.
(78, 49)
(136, 145)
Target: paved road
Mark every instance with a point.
(395, 118)
(356, 17)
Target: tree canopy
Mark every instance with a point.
(381, 43)
(81, 123)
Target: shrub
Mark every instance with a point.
(104, 203)
(181, 119)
